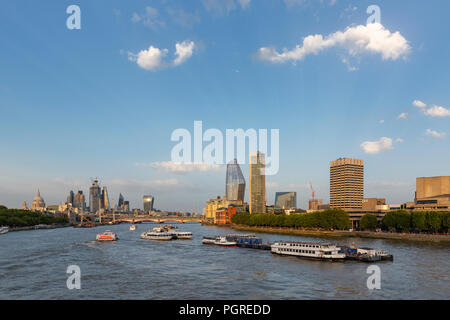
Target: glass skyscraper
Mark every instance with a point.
(94, 197)
(286, 200)
(235, 182)
(148, 203)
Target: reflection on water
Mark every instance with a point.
(33, 266)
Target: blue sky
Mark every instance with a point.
(77, 104)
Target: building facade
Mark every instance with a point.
(433, 193)
(286, 200)
(79, 201)
(148, 202)
(346, 183)
(257, 194)
(94, 197)
(38, 203)
(104, 202)
(235, 182)
(314, 204)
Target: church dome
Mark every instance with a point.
(38, 201)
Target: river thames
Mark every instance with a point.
(33, 265)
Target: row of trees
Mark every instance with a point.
(328, 219)
(419, 221)
(22, 218)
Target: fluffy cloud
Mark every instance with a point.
(402, 115)
(433, 110)
(182, 167)
(374, 147)
(152, 59)
(435, 134)
(150, 18)
(371, 38)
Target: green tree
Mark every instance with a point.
(368, 221)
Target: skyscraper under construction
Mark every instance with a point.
(257, 197)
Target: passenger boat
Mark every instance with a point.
(308, 250)
(107, 236)
(183, 235)
(4, 230)
(385, 255)
(132, 227)
(160, 236)
(219, 241)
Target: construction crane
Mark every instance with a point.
(313, 192)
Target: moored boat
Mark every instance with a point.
(107, 236)
(308, 250)
(182, 235)
(219, 241)
(4, 230)
(160, 236)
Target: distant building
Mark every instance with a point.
(71, 197)
(224, 215)
(120, 203)
(314, 204)
(94, 197)
(126, 206)
(104, 202)
(373, 203)
(235, 182)
(257, 197)
(286, 200)
(38, 203)
(24, 206)
(79, 201)
(217, 204)
(148, 202)
(346, 183)
(433, 193)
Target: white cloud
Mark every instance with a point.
(221, 6)
(183, 52)
(419, 104)
(153, 58)
(402, 115)
(435, 134)
(150, 18)
(374, 147)
(437, 111)
(371, 38)
(399, 140)
(433, 110)
(381, 121)
(182, 167)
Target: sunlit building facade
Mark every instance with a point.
(286, 200)
(148, 202)
(346, 183)
(94, 197)
(257, 195)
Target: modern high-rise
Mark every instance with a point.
(120, 203)
(286, 200)
(105, 204)
(148, 202)
(346, 183)
(94, 197)
(257, 196)
(79, 201)
(71, 198)
(235, 182)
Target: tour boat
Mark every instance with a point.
(308, 250)
(4, 230)
(183, 235)
(161, 236)
(107, 236)
(385, 255)
(219, 241)
(132, 227)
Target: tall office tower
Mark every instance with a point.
(286, 200)
(148, 203)
(235, 183)
(126, 206)
(105, 204)
(94, 197)
(346, 183)
(79, 201)
(257, 197)
(120, 202)
(70, 198)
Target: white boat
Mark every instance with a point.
(308, 250)
(107, 236)
(219, 241)
(161, 236)
(132, 227)
(4, 230)
(183, 235)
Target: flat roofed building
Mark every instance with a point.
(433, 193)
(346, 183)
(286, 200)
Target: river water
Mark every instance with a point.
(33, 265)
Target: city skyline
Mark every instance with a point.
(388, 107)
